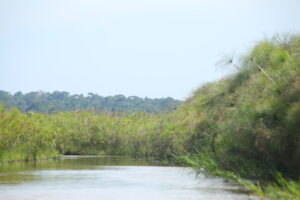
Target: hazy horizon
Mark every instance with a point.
(154, 49)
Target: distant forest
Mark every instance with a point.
(47, 102)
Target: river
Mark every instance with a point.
(110, 178)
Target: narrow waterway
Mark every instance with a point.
(110, 178)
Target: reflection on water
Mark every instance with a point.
(109, 178)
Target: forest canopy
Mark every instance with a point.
(47, 102)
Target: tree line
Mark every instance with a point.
(50, 102)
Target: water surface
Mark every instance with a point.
(110, 178)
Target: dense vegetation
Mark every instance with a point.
(47, 102)
(250, 122)
(247, 123)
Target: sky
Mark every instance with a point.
(153, 48)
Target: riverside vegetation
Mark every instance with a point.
(246, 125)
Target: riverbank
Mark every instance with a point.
(277, 189)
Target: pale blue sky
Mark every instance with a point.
(153, 48)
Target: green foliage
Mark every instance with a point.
(24, 137)
(46, 102)
(249, 122)
(283, 189)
